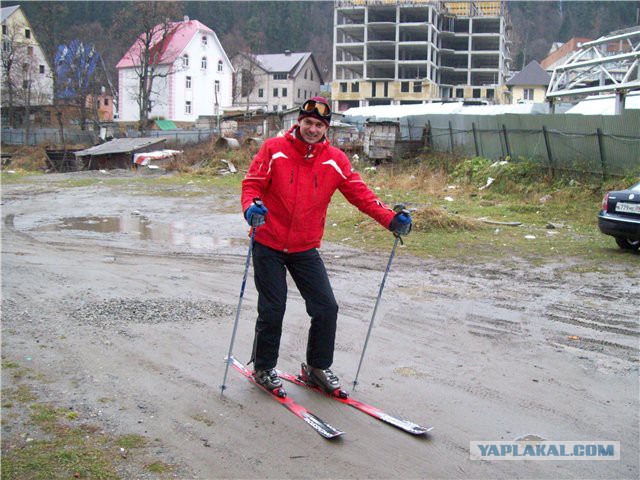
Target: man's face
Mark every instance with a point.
(312, 130)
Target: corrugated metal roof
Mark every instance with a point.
(166, 125)
(121, 145)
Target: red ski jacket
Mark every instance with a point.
(296, 181)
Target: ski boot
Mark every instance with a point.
(270, 381)
(324, 379)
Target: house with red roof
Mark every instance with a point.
(198, 81)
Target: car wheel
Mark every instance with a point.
(627, 244)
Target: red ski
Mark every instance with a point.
(342, 397)
(319, 425)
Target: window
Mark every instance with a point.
(305, 94)
(284, 92)
(203, 63)
(185, 60)
(275, 92)
(275, 108)
(417, 87)
(305, 76)
(404, 87)
(216, 86)
(459, 92)
(528, 94)
(25, 84)
(4, 29)
(41, 69)
(27, 33)
(6, 46)
(204, 40)
(476, 93)
(373, 89)
(311, 75)
(283, 107)
(187, 107)
(261, 92)
(279, 76)
(343, 87)
(355, 87)
(219, 65)
(106, 102)
(187, 82)
(298, 93)
(30, 51)
(490, 93)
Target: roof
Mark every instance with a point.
(121, 145)
(532, 74)
(604, 104)
(289, 62)
(166, 125)
(385, 112)
(180, 36)
(6, 12)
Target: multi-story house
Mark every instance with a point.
(275, 82)
(195, 77)
(398, 52)
(26, 74)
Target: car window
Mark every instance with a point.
(635, 188)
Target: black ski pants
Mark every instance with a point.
(310, 276)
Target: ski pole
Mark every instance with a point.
(258, 202)
(235, 323)
(398, 208)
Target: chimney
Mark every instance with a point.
(287, 52)
(186, 18)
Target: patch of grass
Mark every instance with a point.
(19, 393)
(57, 445)
(204, 419)
(158, 467)
(131, 441)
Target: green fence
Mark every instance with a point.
(607, 145)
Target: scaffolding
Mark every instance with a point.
(608, 64)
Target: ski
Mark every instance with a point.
(404, 425)
(319, 425)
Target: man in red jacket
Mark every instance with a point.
(294, 178)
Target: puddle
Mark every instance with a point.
(174, 233)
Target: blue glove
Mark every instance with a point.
(254, 215)
(401, 223)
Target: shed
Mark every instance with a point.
(382, 141)
(117, 153)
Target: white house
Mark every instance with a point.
(198, 82)
(275, 82)
(26, 74)
(530, 84)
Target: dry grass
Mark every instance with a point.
(438, 219)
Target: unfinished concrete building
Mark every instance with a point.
(394, 52)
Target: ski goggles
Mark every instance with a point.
(311, 106)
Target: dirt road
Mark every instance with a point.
(124, 302)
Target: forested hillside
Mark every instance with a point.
(273, 26)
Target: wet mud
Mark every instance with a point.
(130, 297)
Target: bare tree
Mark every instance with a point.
(24, 76)
(10, 53)
(245, 79)
(152, 21)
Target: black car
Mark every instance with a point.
(620, 217)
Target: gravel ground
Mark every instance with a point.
(131, 332)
